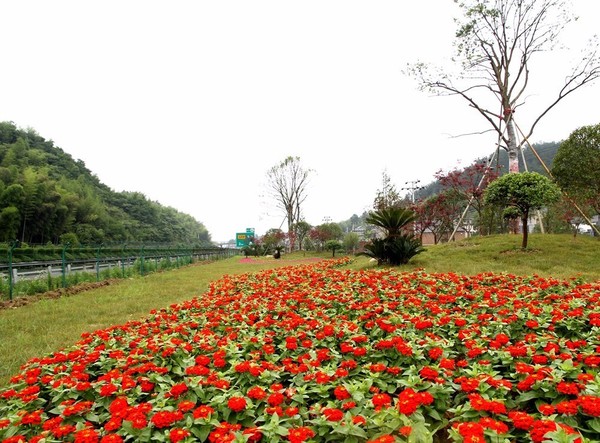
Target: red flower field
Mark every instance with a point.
(315, 353)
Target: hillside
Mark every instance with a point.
(47, 196)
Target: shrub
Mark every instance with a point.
(399, 245)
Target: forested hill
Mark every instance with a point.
(545, 151)
(47, 196)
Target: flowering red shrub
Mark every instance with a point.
(316, 353)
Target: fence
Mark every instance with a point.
(28, 270)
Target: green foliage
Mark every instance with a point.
(398, 246)
(273, 238)
(351, 241)
(333, 245)
(391, 219)
(45, 193)
(522, 192)
(302, 229)
(388, 196)
(393, 250)
(577, 166)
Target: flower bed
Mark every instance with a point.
(317, 353)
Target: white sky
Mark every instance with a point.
(191, 102)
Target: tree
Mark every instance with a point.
(387, 196)
(288, 181)
(524, 192)
(468, 186)
(438, 214)
(333, 245)
(301, 229)
(325, 232)
(576, 166)
(10, 221)
(494, 46)
(351, 241)
(272, 239)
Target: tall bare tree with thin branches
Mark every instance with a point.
(495, 43)
(288, 183)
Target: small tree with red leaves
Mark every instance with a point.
(468, 186)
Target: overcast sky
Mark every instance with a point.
(191, 102)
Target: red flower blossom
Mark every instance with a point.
(341, 393)
(87, 436)
(333, 414)
(165, 419)
(381, 400)
(112, 438)
(178, 434)
(236, 404)
(300, 434)
(383, 439)
(203, 412)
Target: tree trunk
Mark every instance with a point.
(525, 230)
(513, 151)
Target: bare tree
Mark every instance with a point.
(287, 182)
(495, 43)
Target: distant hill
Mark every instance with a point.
(47, 196)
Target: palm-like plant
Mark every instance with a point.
(399, 246)
(391, 219)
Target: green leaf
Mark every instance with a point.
(202, 432)
(594, 424)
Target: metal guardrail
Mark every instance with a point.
(13, 271)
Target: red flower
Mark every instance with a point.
(428, 373)
(165, 419)
(87, 436)
(254, 434)
(383, 439)
(435, 353)
(333, 414)
(567, 388)
(256, 393)
(469, 385)
(178, 434)
(63, 431)
(202, 412)
(300, 434)
(590, 405)
(275, 399)
(381, 400)
(237, 404)
(112, 438)
(359, 420)
(546, 409)
(177, 390)
(341, 393)
(186, 405)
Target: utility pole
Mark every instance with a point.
(413, 188)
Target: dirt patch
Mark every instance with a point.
(58, 293)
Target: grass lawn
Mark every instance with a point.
(43, 327)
